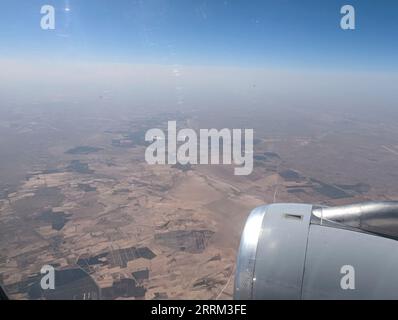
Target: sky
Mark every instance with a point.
(199, 54)
(286, 34)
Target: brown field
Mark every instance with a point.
(75, 192)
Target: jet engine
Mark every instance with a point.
(304, 251)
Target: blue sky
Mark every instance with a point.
(276, 33)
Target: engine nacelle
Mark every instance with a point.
(303, 251)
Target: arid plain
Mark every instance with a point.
(76, 193)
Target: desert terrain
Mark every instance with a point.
(77, 194)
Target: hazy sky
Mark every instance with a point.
(271, 33)
(196, 54)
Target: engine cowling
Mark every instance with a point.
(304, 251)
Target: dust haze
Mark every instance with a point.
(76, 192)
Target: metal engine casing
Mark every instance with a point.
(300, 251)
